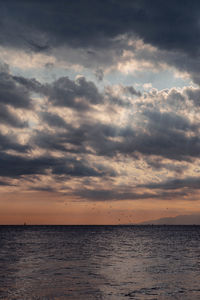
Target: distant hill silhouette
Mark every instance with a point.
(178, 220)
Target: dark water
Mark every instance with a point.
(100, 262)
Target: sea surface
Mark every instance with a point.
(100, 262)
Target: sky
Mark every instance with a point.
(99, 111)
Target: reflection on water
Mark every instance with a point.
(99, 262)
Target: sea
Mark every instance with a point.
(100, 262)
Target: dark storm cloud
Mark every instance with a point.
(77, 94)
(164, 134)
(49, 189)
(65, 92)
(157, 163)
(102, 28)
(9, 118)
(189, 183)
(49, 141)
(118, 100)
(160, 121)
(53, 120)
(31, 85)
(74, 140)
(94, 134)
(5, 183)
(9, 142)
(104, 195)
(78, 168)
(113, 195)
(131, 90)
(169, 144)
(13, 93)
(193, 95)
(169, 25)
(14, 166)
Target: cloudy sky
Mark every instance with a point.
(99, 111)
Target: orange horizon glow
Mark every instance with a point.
(44, 209)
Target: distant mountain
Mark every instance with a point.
(178, 220)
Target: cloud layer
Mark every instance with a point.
(73, 120)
